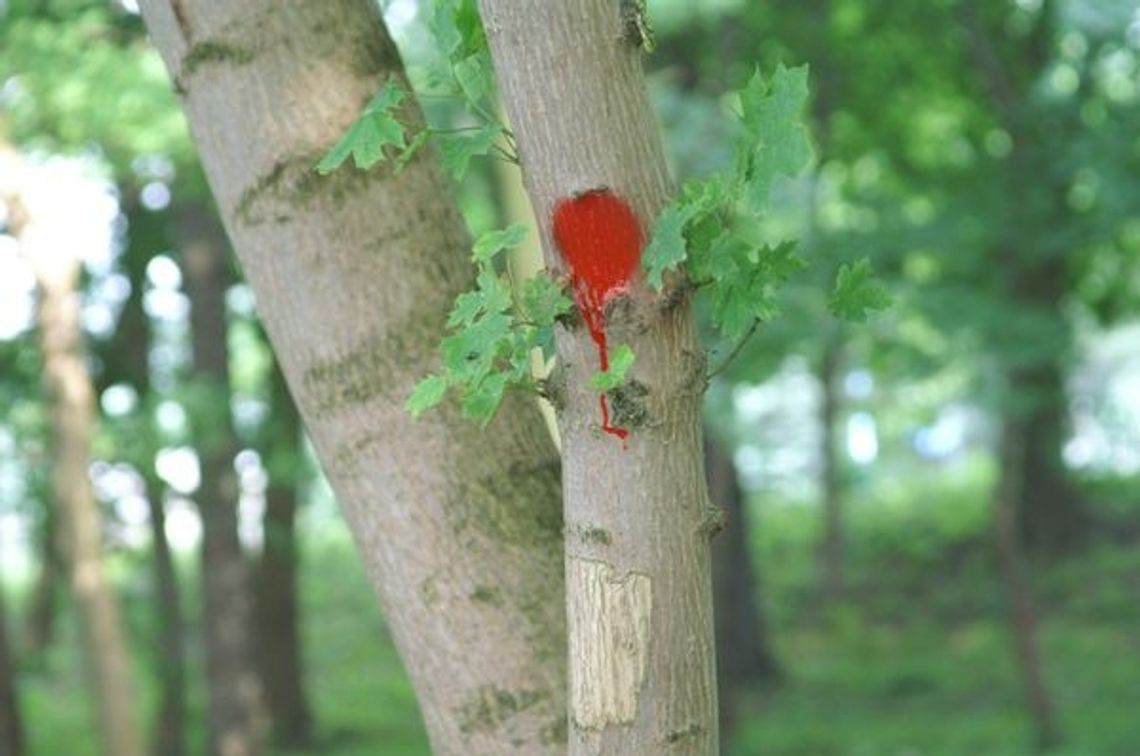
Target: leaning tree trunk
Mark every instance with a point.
(459, 527)
(638, 517)
(235, 713)
(277, 614)
(71, 406)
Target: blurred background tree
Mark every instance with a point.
(981, 155)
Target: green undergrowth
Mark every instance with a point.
(916, 661)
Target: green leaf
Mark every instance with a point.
(621, 360)
(413, 148)
(543, 300)
(666, 250)
(773, 117)
(374, 130)
(482, 400)
(469, 354)
(495, 290)
(473, 75)
(428, 393)
(857, 293)
(456, 150)
(467, 307)
(492, 243)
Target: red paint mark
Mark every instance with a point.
(601, 240)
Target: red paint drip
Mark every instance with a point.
(601, 240)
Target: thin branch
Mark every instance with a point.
(736, 350)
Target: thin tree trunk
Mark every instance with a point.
(833, 550)
(1049, 513)
(1023, 612)
(235, 714)
(638, 518)
(169, 737)
(11, 718)
(41, 618)
(278, 619)
(131, 349)
(459, 527)
(71, 406)
(745, 659)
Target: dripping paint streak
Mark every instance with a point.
(601, 240)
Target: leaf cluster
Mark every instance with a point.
(714, 227)
(492, 334)
(380, 133)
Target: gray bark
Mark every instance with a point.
(638, 518)
(459, 527)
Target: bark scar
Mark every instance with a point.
(609, 622)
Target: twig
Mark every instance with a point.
(736, 350)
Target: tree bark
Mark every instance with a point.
(41, 618)
(834, 533)
(131, 351)
(11, 719)
(71, 406)
(278, 619)
(169, 738)
(638, 518)
(1049, 513)
(235, 714)
(1023, 612)
(459, 527)
(745, 658)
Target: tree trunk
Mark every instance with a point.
(1048, 511)
(459, 527)
(744, 652)
(11, 720)
(638, 518)
(40, 623)
(131, 350)
(235, 715)
(71, 406)
(833, 548)
(278, 621)
(1023, 612)
(169, 737)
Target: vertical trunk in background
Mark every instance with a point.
(638, 518)
(146, 235)
(11, 720)
(169, 737)
(1022, 609)
(70, 403)
(40, 624)
(278, 620)
(833, 550)
(459, 526)
(235, 707)
(1049, 514)
(744, 652)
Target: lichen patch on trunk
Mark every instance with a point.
(609, 642)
